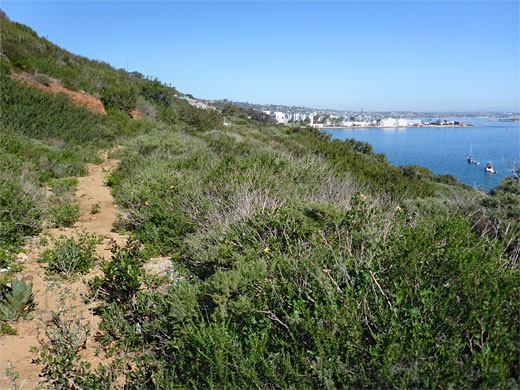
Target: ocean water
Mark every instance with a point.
(444, 150)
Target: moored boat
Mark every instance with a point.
(489, 168)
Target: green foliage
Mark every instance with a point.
(294, 297)
(119, 96)
(122, 275)
(22, 49)
(504, 206)
(95, 209)
(42, 79)
(63, 214)
(199, 118)
(370, 169)
(294, 268)
(6, 329)
(64, 186)
(20, 205)
(70, 255)
(6, 257)
(46, 159)
(37, 114)
(158, 93)
(505, 200)
(17, 300)
(62, 364)
(232, 110)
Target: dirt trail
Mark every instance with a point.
(14, 350)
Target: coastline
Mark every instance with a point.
(389, 127)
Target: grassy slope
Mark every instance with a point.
(298, 261)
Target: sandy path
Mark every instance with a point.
(14, 350)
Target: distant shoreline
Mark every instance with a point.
(389, 127)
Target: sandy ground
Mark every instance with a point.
(14, 350)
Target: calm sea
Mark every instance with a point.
(444, 150)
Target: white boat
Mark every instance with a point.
(471, 160)
(489, 168)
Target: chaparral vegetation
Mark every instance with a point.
(295, 261)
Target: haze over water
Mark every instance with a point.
(444, 150)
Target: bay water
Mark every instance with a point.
(444, 150)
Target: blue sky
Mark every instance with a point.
(411, 55)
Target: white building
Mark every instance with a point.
(279, 117)
(392, 122)
(297, 117)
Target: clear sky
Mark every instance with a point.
(411, 55)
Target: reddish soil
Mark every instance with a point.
(78, 97)
(136, 114)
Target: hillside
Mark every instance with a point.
(257, 255)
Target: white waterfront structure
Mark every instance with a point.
(392, 122)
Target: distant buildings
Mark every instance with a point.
(391, 122)
(320, 119)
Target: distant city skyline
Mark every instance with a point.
(382, 56)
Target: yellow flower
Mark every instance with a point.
(399, 208)
(266, 250)
(146, 203)
(172, 187)
(363, 196)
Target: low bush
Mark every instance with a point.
(6, 329)
(315, 296)
(95, 209)
(119, 95)
(52, 117)
(20, 207)
(64, 186)
(64, 214)
(64, 211)
(122, 275)
(42, 79)
(71, 256)
(503, 205)
(59, 356)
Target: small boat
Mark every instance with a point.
(471, 160)
(489, 168)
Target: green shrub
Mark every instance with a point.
(42, 79)
(6, 329)
(122, 275)
(201, 119)
(95, 209)
(316, 296)
(70, 255)
(20, 207)
(64, 186)
(119, 96)
(62, 366)
(64, 214)
(503, 204)
(50, 116)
